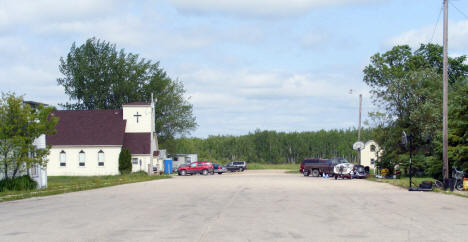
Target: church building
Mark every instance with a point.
(88, 142)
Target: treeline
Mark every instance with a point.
(271, 146)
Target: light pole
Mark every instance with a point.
(359, 124)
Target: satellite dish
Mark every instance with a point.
(358, 146)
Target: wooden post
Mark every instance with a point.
(445, 94)
(359, 127)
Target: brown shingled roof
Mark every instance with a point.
(88, 127)
(138, 143)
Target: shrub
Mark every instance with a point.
(125, 161)
(140, 173)
(18, 184)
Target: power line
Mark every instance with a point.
(437, 23)
(461, 12)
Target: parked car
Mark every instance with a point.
(199, 167)
(317, 166)
(360, 171)
(217, 168)
(236, 166)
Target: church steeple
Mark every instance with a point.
(139, 116)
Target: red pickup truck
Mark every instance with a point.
(199, 167)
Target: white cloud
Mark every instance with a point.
(259, 7)
(457, 35)
(236, 101)
(225, 66)
(36, 83)
(123, 30)
(24, 11)
(268, 85)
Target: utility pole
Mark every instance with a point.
(445, 94)
(359, 127)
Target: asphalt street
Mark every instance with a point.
(248, 206)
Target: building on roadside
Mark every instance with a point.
(88, 142)
(37, 172)
(179, 159)
(370, 154)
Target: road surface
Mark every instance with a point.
(249, 206)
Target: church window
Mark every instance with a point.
(372, 148)
(101, 158)
(63, 158)
(81, 158)
(372, 161)
(135, 161)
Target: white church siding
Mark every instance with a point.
(145, 161)
(144, 118)
(91, 167)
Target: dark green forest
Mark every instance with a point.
(271, 146)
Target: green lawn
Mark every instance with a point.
(262, 166)
(63, 184)
(403, 182)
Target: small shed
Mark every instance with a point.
(179, 159)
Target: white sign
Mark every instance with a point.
(358, 146)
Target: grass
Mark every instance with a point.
(263, 166)
(64, 184)
(404, 183)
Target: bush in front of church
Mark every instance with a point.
(18, 184)
(125, 161)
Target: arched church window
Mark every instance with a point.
(81, 158)
(63, 158)
(101, 158)
(372, 148)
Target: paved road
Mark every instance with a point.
(249, 206)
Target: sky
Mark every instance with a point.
(284, 65)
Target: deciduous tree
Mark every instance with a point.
(407, 87)
(98, 76)
(20, 125)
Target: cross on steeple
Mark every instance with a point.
(137, 116)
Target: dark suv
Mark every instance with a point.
(317, 166)
(236, 166)
(199, 167)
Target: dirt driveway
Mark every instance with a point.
(248, 206)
